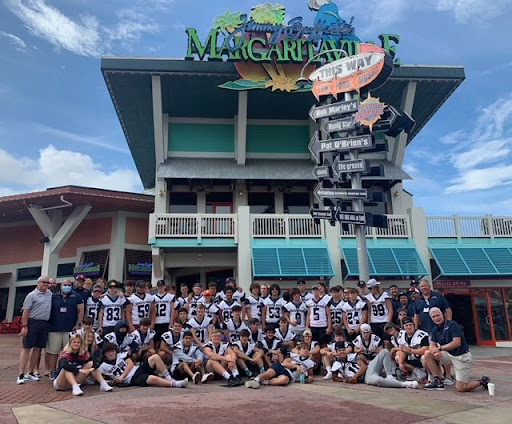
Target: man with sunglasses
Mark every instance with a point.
(35, 325)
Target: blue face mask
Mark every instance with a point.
(66, 289)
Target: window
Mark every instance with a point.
(296, 203)
(65, 270)
(93, 264)
(137, 264)
(261, 202)
(21, 294)
(183, 202)
(30, 273)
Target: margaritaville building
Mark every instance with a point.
(222, 137)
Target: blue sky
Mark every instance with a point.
(58, 125)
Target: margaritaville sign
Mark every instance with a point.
(269, 53)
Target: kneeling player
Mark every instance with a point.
(329, 352)
(249, 357)
(152, 371)
(188, 359)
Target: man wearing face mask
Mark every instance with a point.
(66, 315)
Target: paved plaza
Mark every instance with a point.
(325, 402)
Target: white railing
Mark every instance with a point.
(195, 225)
(398, 227)
(285, 226)
(469, 226)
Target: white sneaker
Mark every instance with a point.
(106, 387)
(207, 377)
(20, 380)
(252, 384)
(180, 383)
(77, 391)
(411, 384)
(328, 376)
(448, 382)
(31, 377)
(196, 378)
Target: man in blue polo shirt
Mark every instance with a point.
(66, 315)
(448, 346)
(429, 299)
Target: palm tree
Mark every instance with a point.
(267, 13)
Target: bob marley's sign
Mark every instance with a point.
(269, 53)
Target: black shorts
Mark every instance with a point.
(280, 370)
(350, 337)
(37, 335)
(378, 330)
(140, 378)
(416, 363)
(320, 335)
(106, 330)
(159, 330)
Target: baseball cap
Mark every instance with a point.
(372, 283)
(365, 327)
(112, 284)
(307, 333)
(402, 293)
(361, 283)
(414, 283)
(80, 277)
(207, 293)
(413, 290)
(140, 283)
(315, 287)
(301, 281)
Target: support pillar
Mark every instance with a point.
(244, 254)
(117, 239)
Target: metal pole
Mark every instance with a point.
(360, 230)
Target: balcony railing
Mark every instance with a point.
(398, 227)
(475, 226)
(195, 225)
(285, 226)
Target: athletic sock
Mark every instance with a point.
(234, 372)
(257, 379)
(328, 369)
(166, 375)
(226, 375)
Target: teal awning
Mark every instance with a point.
(473, 260)
(386, 261)
(291, 262)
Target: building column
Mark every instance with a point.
(279, 201)
(158, 270)
(419, 233)
(117, 239)
(241, 129)
(160, 153)
(10, 302)
(58, 235)
(332, 237)
(244, 254)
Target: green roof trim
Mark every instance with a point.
(387, 261)
(291, 262)
(473, 261)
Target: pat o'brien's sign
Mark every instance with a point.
(269, 53)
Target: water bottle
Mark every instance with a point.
(398, 374)
(302, 378)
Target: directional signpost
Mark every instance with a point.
(340, 193)
(333, 109)
(350, 217)
(348, 166)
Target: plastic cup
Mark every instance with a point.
(491, 388)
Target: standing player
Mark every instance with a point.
(164, 311)
(318, 318)
(112, 309)
(355, 313)
(141, 305)
(381, 309)
(200, 326)
(273, 307)
(210, 307)
(336, 306)
(295, 313)
(193, 300)
(304, 294)
(226, 305)
(93, 306)
(254, 303)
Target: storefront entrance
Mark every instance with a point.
(484, 313)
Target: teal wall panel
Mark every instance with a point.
(277, 139)
(201, 138)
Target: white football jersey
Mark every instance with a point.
(336, 311)
(234, 329)
(378, 308)
(141, 307)
(374, 342)
(297, 314)
(219, 350)
(226, 308)
(255, 304)
(201, 328)
(288, 336)
(318, 313)
(354, 312)
(112, 310)
(137, 338)
(274, 309)
(192, 305)
(113, 370)
(92, 309)
(246, 350)
(164, 305)
(347, 368)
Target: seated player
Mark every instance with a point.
(255, 330)
(122, 338)
(366, 343)
(303, 362)
(394, 332)
(74, 366)
(169, 339)
(200, 326)
(348, 367)
(382, 363)
(144, 339)
(121, 370)
(249, 356)
(285, 334)
(188, 359)
(182, 317)
(313, 346)
(329, 353)
(412, 344)
(87, 325)
(221, 360)
(233, 326)
(269, 344)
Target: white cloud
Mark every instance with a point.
(55, 168)
(14, 40)
(472, 10)
(86, 36)
(481, 157)
(79, 138)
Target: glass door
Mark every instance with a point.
(483, 319)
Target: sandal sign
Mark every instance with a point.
(370, 68)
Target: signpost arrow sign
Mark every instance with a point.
(347, 166)
(322, 172)
(340, 193)
(350, 217)
(321, 213)
(313, 146)
(326, 111)
(343, 124)
(344, 144)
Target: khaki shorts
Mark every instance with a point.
(56, 341)
(462, 365)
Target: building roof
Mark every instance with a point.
(15, 208)
(191, 89)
